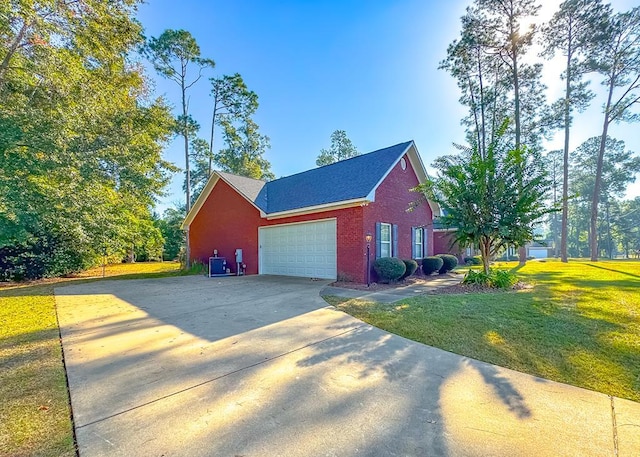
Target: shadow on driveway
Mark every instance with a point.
(260, 366)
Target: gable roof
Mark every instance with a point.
(347, 182)
(249, 188)
(341, 181)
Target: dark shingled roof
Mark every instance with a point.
(344, 180)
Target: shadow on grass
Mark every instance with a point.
(611, 269)
(39, 288)
(533, 331)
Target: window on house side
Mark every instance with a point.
(417, 244)
(385, 240)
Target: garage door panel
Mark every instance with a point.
(306, 249)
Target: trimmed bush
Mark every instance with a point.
(411, 265)
(449, 262)
(431, 264)
(389, 268)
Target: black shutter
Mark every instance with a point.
(377, 240)
(425, 251)
(394, 252)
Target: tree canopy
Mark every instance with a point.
(481, 202)
(80, 140)
(341, 148)
(244, 152)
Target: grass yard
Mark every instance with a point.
(579, 323)
(35, 418)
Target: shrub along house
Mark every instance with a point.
(315, 224)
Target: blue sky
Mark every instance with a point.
(369, 68)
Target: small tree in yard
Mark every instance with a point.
(491, 201)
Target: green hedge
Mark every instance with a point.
(389, 269)
(449, 262)
(431, 264)
(411, 266)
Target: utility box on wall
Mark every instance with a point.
(238, 255)
(217, 266)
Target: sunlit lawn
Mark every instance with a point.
(579, 323)
(34, 407)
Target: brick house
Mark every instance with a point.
(315, 223)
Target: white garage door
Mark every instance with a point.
(307, 249)
(539, 253)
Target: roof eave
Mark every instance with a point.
(418, 167)
(319, 208)
(211, 183)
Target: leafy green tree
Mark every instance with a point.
(201, 157)
(232, 101)
(554, 161)
(625, 219)
(618, 61)
(619, 167)
(471, 60)
(574, 31)
(173, 235)
(80, 139)
(341, 148)
(244, 152)
(481, 202)
(490, 62)
(148, 242)
(172, 54)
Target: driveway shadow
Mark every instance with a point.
(261, 366)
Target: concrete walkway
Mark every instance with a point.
(258, 366)
(397, 293)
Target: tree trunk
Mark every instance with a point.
(593, 233)
(12, 49)
(482, 102)
(609, 240)
(213, 126)
(475, 116)
(522, 251)
(565, 164)
(485, 252)
(187, 169)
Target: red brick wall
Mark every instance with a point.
(351, 244)
(227, 222)
(442, 245)
(391, 202)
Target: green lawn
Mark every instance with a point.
(35, 419)
(579, 323)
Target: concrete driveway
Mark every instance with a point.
(260, 366)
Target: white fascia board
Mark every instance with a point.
(318, 208)
(422, 175)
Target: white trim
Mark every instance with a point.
(395, 162)
(417, 165)
(410, 151)
(416, 231)
(318, 208)
(390, 242)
